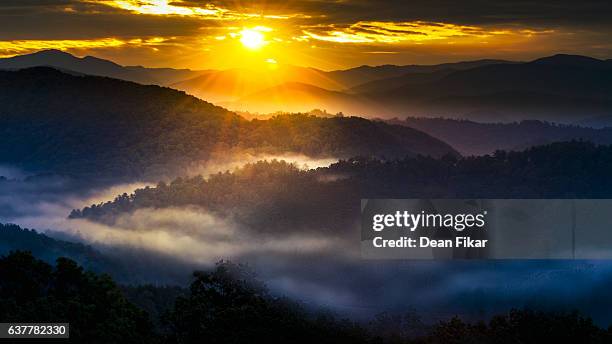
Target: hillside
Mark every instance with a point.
(562, 88)
(52, 121)
(473, 138)
(300, 97)
(411, 78)
(568, 89)
(274, 88)
(231, 85)
(353, 78)
(96, 66)
(14, 238)
(261, 196)
(92, 126)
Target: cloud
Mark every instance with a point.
(471, 29)
(190, 234)
(400, 32)
(182, 8)
(225, 161)
(310, 266)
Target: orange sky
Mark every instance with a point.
(323, 34)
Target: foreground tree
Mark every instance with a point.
(522, 326)
(34, 291)
(228, 305)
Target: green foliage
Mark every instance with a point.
(521, 326)
(33, 291)
(274, 195)
(153, 299)
(229, 305)
(48, 249)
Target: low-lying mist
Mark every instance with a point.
(163, 245)
(225, 161)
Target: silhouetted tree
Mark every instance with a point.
(33, 291)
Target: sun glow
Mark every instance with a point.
(252, 39)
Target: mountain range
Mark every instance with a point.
(95, 66)
(59, 122)
(473, 138)
(560, 88)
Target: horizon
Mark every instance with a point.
(264, 63)
(272, 87)
(328, 36)
(334, 171)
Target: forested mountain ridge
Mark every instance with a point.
(474, 138)
(562, 88)
(219, 299)
(85, 125)
(53, 121)
(15, 238)
(262, 195)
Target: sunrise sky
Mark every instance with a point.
(336, 34)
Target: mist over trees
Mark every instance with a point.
(228, 304)
(96, 257)
(273, 195)
(34, 291)
(95, 127)
(49, 249)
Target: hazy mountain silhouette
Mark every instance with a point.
(96, 66)
(472, 138)
(242, 84)
(409, 78)
(230, 85)
(300, 97)
(58, 122)
(365, 74)
(13, 237)
(560, 88)
(561, 75)
(233, 84)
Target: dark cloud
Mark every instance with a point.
(91, 24)
(460, 12)
(23, 19)
(35, 3)
(573, 27)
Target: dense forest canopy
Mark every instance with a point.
(34, 291)
(97, 258)
(83, 125)
(93, 127)
(273, 195)
(228, 304)
(48, 249)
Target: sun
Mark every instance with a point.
(252, 39)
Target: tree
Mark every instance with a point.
(34, 291)
(229, 305)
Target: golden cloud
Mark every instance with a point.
(398, 32)
(181, 8)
